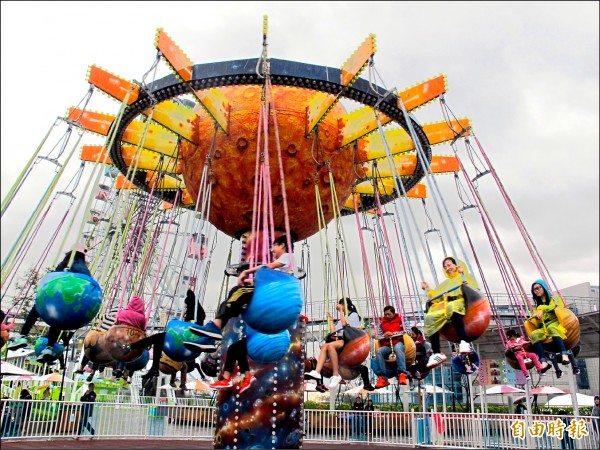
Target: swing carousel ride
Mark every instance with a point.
(250, 150)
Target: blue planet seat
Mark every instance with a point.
(276, 303)
(68, 300)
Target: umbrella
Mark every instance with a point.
(197, 385)
(503, 389)
(10, 369)
(430, 389)
(18, 378)
(55, 377)
(548, 390)
(566, 400)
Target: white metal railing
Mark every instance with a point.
(27, 419)
(34, 419)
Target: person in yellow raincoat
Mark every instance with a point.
(546, 322)
(448, 291)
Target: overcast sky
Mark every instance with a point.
(525, 73)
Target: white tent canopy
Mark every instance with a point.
(10, 369)
(360, 389)
(434, 389)
(503, 389)
(566, 400)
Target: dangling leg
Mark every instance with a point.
(458, 323)
(333, 356)
(238, 298)
(435, 342)
(237, 353)
(184, 372)
(158, 343)
(322, 358)
(536, 361)
(563, 350)
(552, 358)
(520, 357)
(82, 364)
(147, 341)
(539, 350)
(21, 340)
(364, 374)
(574, 364)
(438, 357)
(399, 350)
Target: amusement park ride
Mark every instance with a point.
(256, 149)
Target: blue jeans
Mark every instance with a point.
(358, 425)
(384, 352)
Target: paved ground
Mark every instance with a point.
(135, 444)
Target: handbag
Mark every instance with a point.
(346, 333)
(334, 336)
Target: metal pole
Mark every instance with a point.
(528, 398)
(573, 388)
(62, 381)
(453, 389)
(434, 389)
(528, 414)
(443, 388)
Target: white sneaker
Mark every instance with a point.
(464, 347)
(313, 374)
(436, 359)
(334, 381)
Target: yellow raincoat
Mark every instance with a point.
(438, 315)
(549, 326)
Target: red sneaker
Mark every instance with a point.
(402, 379)
(381, 383)
(246, 383)
(222, 384)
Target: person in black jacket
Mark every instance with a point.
(23, 411)
(358, 422)
(87, 409)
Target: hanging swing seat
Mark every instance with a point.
(512, 361)
(567, 319)
(95, 348)
(476, 319)
(118, 336)
(410, 351)
(138, 363)
(68, 300)
(357, 346)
